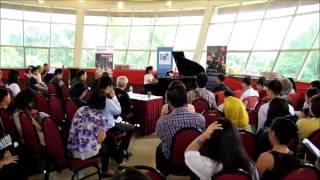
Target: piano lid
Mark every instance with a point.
(185, 66)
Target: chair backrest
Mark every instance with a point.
(51, 89)
(315, 139)
(200, 105)
(248, 140)
(42, 102)
(152, 173)
(212, 115)
(30, 134)
(237, 93)
(65, 92)
(219, 97)
(294, 99)
(8, 124)
(54, 145)
(180, 142)
(261, 102)
(56, 109)
(251, 102)
(262, 94)
(71, 109)
(237, 174)
(303, 173)
(253, 119)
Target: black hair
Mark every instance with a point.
(33, 69)
(13, 77)
(315, 84)
(315, 106)
(284, 129)
(78, 89)
(202, 80)
(38, 67)
(177, 96)
(45, 64)
(221, 77)
(148, 68)
(130, 173)
(58, 71)
(80, 73)
(24, 98)
(262, 81)
(176, 83)
(293, 84)
(104, 82)
(247, 80)
(275, 86)
(3, 93)
(278, 107)
(225, 147)
(97, 99)
(228, 93)
(311, 92)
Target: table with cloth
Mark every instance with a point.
(148, 109)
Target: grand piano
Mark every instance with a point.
(188, 70)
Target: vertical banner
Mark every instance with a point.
(104, 60)
(164, 60)
(216, 64)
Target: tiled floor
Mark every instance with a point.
(143, 149)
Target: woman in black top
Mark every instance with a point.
(78, 92)
(278, 162)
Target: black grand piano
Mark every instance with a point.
(188, 70)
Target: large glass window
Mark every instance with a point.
(311, 70)
(289, 63)
(261, 61)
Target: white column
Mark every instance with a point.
(78, 43)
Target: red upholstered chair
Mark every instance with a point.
(306, 172)
(56, 109)
(200, 105)
(65, 92)
(294, 100)
(262, 94)
(237, 93)
(251, 102)
(248, 142)
(51, 89)
(56, 151)
(219, 97)
(237, 174)
(42, 103)
(212, 115)
(253, 119)
(180, 142)
(315, 139)
(152, 173)
(71, 109)
(8, 124)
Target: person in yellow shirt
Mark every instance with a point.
(235, 110)
(307, 126)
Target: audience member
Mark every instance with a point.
(275, 164)
(34, 84)
(28, 72)
(38, 76)
(235, 111)
(88, 131)
(44, 74)
(8, 167)
(315, 84)
(294, 87)
(286, 88)
(274, 90)
(130, 173)
(12, 82)
(248, 90)
(261, 84)
(220, 84)
(306, 105)
(122, 95)
(166, 108)
(1, 83)
(78, 92)
(57, 79)
(168, 126)
(202, 92)
(223, 151)
(81, 76)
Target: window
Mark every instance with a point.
(236, 62)
(117, 36)
(94, 36)
(187, 37)
(163, 36)
(62, 35)
(11, 57)
(36, 56)
(137, 59)
(36, 34)
(61, 57)
(141, 37)
(311, 70)
(218, 34)
(11, 32)
(261, 61)
(289, 63)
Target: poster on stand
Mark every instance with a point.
(164, 60)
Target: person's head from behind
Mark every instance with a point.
(220, 79)
(46, 67)
(130, 173)
(29, 68)
(81, 75)
(13, 77)
(202, 80)
(315, 84)
(79, 90)
(309, 94)
(282, 131)
(4, 97)
(261, 83)
(246, 82)
(97, 99)
(315, 106)
(25, 100)
(176, 83)
(228, 93)
(122, 82)
(286, 86)
(58, 73)
(278, 107)
(105, 83)
(293, 84)
(148, 70)
(274, 88)
(34, 71)
(177, 96)
(225, 147)
(40, 69)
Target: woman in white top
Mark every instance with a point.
(12, 82)
(148, 77)
(224, 151)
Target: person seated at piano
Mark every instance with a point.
(201, 91)
(149, 79)
(220, 84)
